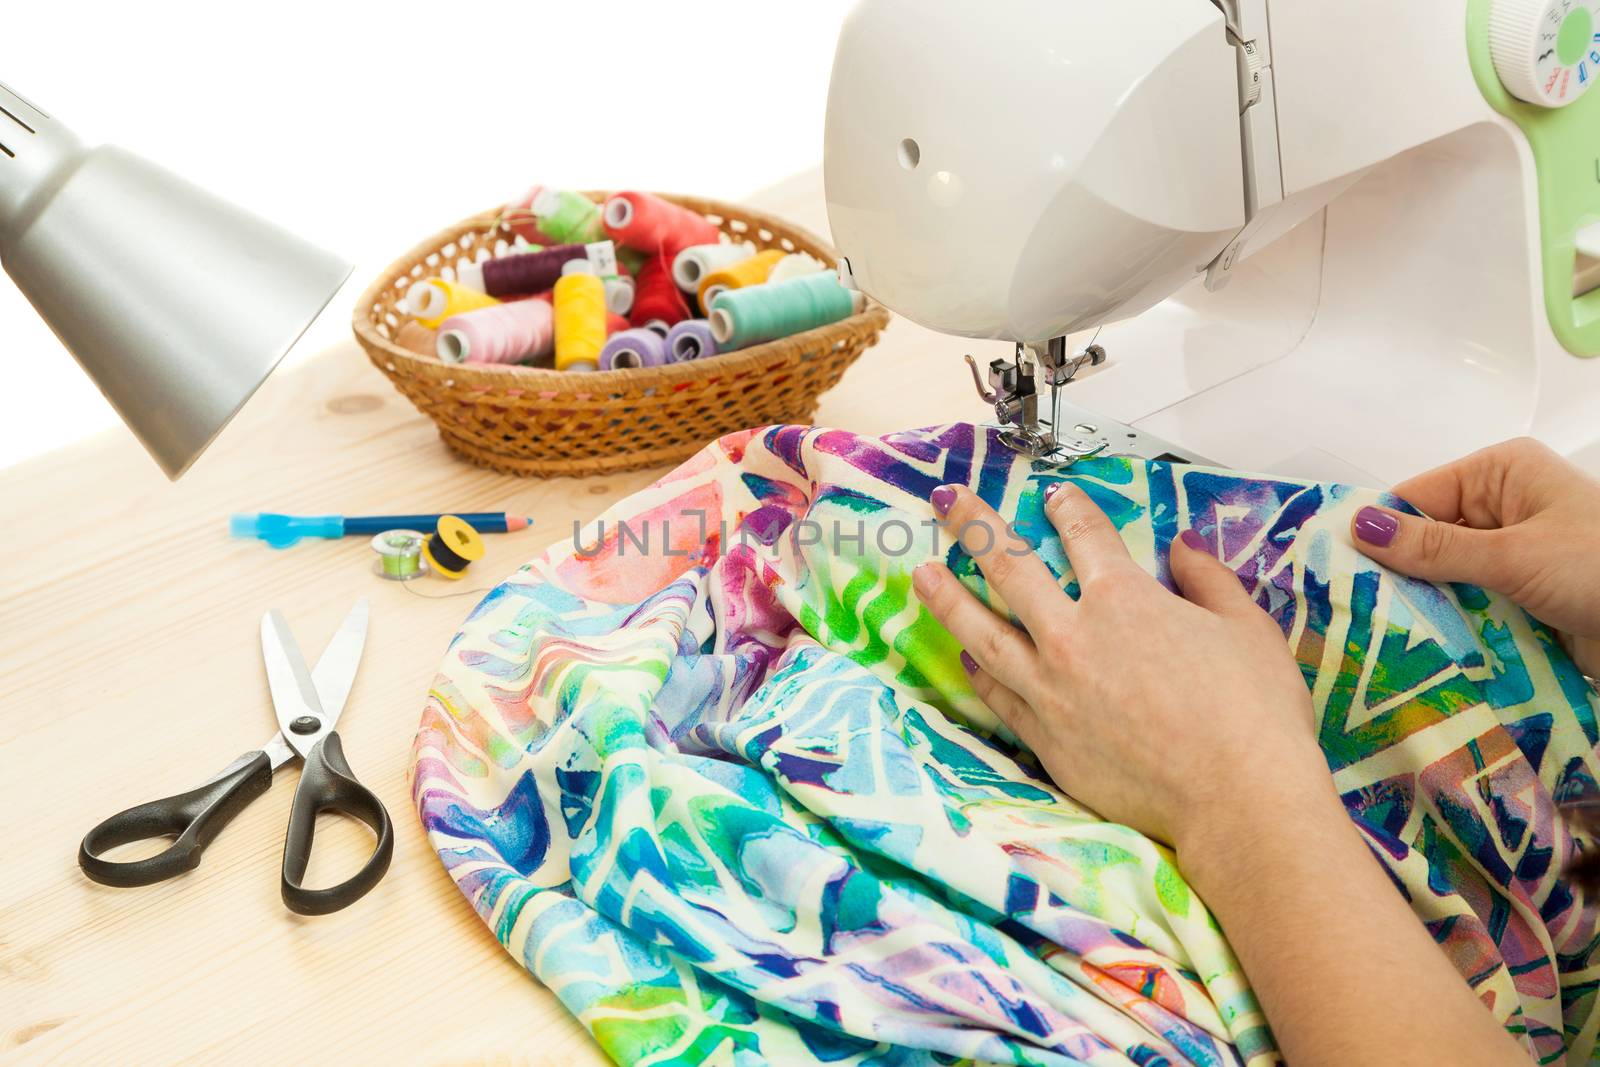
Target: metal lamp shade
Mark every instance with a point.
(177, 303)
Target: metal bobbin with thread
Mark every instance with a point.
(399, 555)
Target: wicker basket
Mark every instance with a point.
(535, 421)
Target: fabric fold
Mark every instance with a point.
(711, 773)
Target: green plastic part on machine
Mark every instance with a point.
(1566, 154)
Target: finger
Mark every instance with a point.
(1008, 707)
(991, 642)
(1008, 563)
(1476, 489)
(1205, 581)
(1091, 542)
(1438, 551)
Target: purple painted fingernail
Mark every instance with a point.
(943, 499)
(968, 664)
(1051, 490)
(1194, 539)
(1376, 527)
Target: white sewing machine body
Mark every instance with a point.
(1318, 254)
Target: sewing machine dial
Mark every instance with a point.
(1546, 52)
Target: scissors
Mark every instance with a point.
(308, 705)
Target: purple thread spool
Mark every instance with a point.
(523, 273)
(630, 349)
(690, 339)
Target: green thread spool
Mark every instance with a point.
(567, 217)
(758, 313)
(399, 555)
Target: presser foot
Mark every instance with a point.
(1084, 434)
(1067, 433)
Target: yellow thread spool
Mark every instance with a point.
(580, 312)
(432, 300)
(752, 271)
(454, 546)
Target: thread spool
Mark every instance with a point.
(580, 321)
(690, 339)
(743, 317)
(526, 272)
(399, 555)
(615, 324)
(568, 217)
(651, 224)
(691, 265)
(795, 265)
(433, 300)
(506, 333)
(415, 337)
(619, 295)
(632, 349)
(519, 216)
(656, 298)
(454, 547)
(746, 272)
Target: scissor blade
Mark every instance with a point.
(294, 695)
(335, 672)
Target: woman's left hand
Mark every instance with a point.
(1181, 716)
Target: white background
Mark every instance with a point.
(366, 126)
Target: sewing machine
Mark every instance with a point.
(1346, 241)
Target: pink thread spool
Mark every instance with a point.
(632, 349)
(505, 333)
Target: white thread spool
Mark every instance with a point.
(619, 295)
(795, 265)
(471, 275)
(690, 266)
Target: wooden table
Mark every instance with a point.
(131, 668)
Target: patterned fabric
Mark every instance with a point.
(713, 775)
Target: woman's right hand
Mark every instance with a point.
(1515, 518)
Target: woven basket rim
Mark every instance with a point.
(763, 357)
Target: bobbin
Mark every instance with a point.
(454, 546)
(399, 555)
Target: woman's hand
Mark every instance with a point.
(1186, 718)
(1178, 716)
(1515, 518)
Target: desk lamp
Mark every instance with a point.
(176, 303)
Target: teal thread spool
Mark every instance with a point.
(399, 555)
(758, 313)
(567, 217)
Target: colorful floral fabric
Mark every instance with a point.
(712, 774)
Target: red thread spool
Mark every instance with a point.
(654, 225)
(657, 297)
(616, 323)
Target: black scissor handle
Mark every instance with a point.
(328, 784)
(192, 819)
